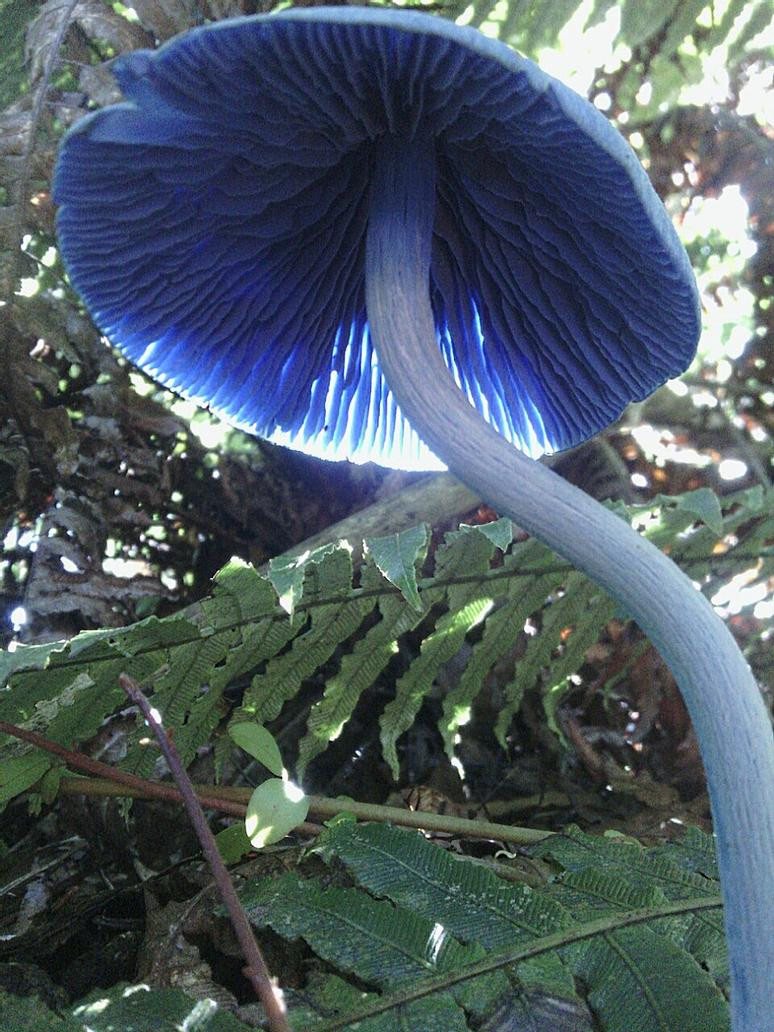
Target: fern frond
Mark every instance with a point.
(466, 551)
(327, 573)
(241, 634)
(524, 595)
(597, 873)
(609, 932)
(580, 612)
(329, 626)
(424, 879)
(325, 996)
(358, 671)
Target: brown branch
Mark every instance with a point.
(131, 784)
(256, 969)
(108, 781)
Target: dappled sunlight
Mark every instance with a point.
(662, 446)
(743, 591)
(435, 943)
(732, 469)
(756, 97)
(581, 50)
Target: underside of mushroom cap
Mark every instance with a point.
(215, 226)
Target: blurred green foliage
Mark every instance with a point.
(15, 16)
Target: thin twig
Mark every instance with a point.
(256, 969)
(234, 801)
(109, 781)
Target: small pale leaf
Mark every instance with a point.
(287, 573)
(259, 743)
(499, 532)
(275, 808)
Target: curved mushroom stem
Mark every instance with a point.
(729, 718)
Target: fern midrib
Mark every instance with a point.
(278, 613)
(505, 958)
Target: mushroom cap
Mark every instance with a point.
(215, 222)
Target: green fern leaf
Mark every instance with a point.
(326, 997)
(383, 945)
(469, 900)
(240, 594)
(141, 1009)
(547, 22)
(187, 673)
(499, 532)
(29, 657)
(466, 898)
(465, 552)
(328, 626)
(397, 557)
(694, 852)
(589, 623)
(680, 25)
(30, 1014)
(290, 574)
(438, 648)
(638, 977)
(584, 609)
(183, 693)
(358, 670)
(705, 504)
(258, 642)
(577, 852)
(594, 890)
(642, 19)
(640, 982)
(137, 1008)
(66, 689)
(596, 869)
(758, 22)
(523, 596)
(76, 674)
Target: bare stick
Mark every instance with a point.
(256, 969)
(234, 801)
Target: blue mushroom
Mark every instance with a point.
(229, 201)
(376, 235)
